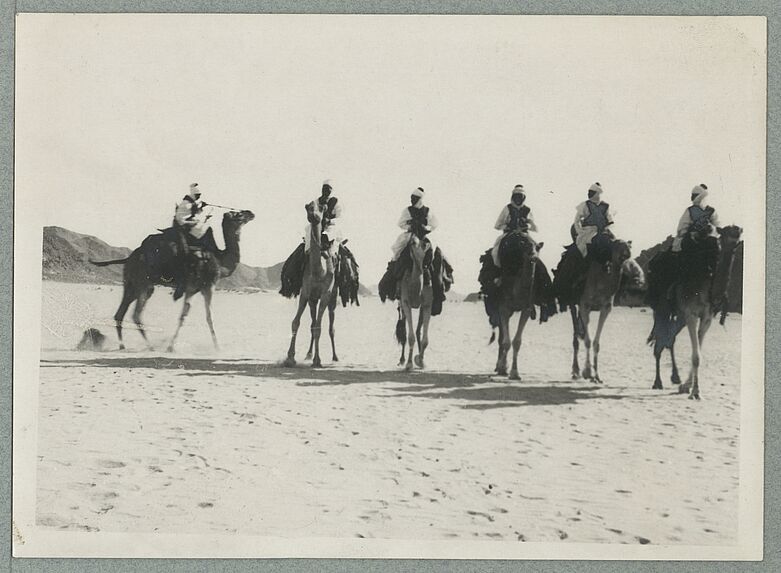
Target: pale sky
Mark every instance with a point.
(117, 114)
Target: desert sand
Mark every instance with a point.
(209, 442)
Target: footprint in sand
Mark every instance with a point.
(205, 504)
(111, 464)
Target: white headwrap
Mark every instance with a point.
(700, 192)
(518, 189)
(596, 187)
(329, 182)
(194, 190)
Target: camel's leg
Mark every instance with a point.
(675, 379)
(517, 344)
(207, 299)
(657, 356)
(313, 315)
(410, 335)
(584, 317)
(423, 321)
(401, 358)
(182, 316)
(603, 314)
(504, 342)
(137, 310)
(403, 340)
(691, 324)
(119, 316)
(331, 331)
(575, 342)
(291, 352)
(316, 328)
(701, 332)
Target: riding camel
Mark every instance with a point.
(417, 292)
(139, 278)
(516, 293)
(318, 290)
(602, 282)
(698, 294)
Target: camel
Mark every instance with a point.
(516, 294)
(416, 292)
(698, 296)
(598, 294)
(139, 280)
(318, 291)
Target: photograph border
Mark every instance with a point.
(773, 277)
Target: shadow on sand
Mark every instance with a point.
(480, 392)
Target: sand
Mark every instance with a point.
(230, 442)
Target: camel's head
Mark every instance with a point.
(621, 252)
(730, 237)
(234, 220)
(313, 213)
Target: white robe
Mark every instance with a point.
(685, 222)
(404, 222)
(333, 232)
(199, 223)
(587, 233)
(501, 225)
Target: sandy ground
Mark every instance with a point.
(207, 442)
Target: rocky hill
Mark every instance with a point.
(66, 256)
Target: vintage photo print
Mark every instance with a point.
(389, 286)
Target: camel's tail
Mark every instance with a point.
(107, 263)
(493, 336)
(401, 329)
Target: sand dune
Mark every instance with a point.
(207, 442)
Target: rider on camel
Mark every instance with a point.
(417, 219)
(515, 216)
(696, 240)
(332, 243)
(697, 218)
(331, 209)
(192, 228)
(592, 218)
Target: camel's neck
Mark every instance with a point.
(316, 268)
(229, 258)
(723, 273)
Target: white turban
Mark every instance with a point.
(329, 182)
(518, 189)
(596, 187)
(194, 190)
(418, 192)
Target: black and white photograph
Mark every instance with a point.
(409, 286)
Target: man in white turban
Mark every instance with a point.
(416, 219)
(592, 217)
(515, 216)
(697, 218)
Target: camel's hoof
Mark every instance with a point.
(335, 358)
(501, 371)
(402, 362)
(675, 380)
(419, 361)
(657, 386)
(514, 375)
(576, 375)
(121, 346)
(694, 396)
(289, 362)
(308, 356)
(683, 390)
(587, 374)
(316, 363)
(408, 367)
(169, 349)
